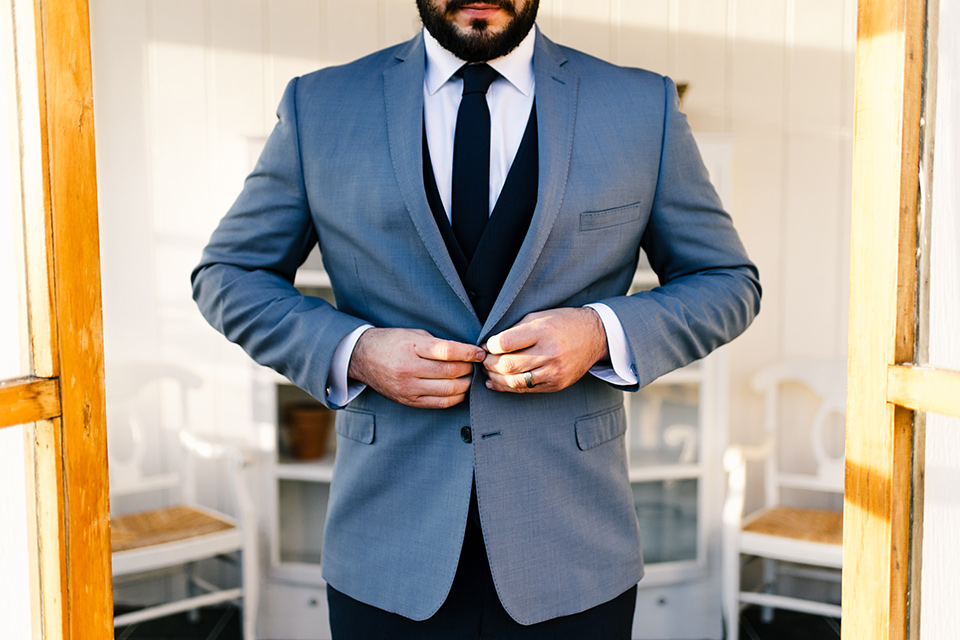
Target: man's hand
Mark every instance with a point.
(412, 367)
(556, 347)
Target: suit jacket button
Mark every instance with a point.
(466, 435)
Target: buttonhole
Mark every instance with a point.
(490, 435)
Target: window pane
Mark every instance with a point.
(664, 425)
(302, 510)
(15, 555)
(667, 511)
(939, 321)
(939, 613)
(12, 361)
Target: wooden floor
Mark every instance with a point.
(218, 623)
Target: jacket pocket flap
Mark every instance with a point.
(590, 220)
(596, 429)
(356, 425)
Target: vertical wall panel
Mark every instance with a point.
(351, 29)
(399, 21)
(294, 44)
(644, 34)
(845, 192)
(757, 86)
(119, 40)
(587, 26)
(548, 19)
(811, 252)
(701, 59)
(236, 90)
(179, 114)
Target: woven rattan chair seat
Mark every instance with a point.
(159, 526)
(812, 525)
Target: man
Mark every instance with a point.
(466, 218)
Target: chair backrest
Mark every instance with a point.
(147, 406)
(825, 379)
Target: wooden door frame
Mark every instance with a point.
(64, 398)
(887, 393)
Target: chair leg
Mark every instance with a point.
(251, 588)
(770, 569)
(191, 569)
(730, 588)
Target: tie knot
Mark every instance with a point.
(477, 77)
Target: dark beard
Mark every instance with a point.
(479, 45)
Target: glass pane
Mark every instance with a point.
(664, 429)
(940, 302)
(667, 511)
(15, 553)
(941, 521)
(12, 361)
(302, 510)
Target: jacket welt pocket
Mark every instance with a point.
(357, 425)
(594, 430)
(590, 220)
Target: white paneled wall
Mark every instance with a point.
(183, 87)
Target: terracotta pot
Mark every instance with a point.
(308, 429)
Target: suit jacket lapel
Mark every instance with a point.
(556, 104)
(403, 95)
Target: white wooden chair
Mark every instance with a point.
(790, 540)
(147, 405)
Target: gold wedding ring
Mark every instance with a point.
(528, 378)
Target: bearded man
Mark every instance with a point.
(480, 196)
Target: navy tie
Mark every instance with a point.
(471, 159)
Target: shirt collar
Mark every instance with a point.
(516, 66)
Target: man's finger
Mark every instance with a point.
(512, 363)
(449, 351)
(443, 370)
(437, 402)
(517, 382)
(443, 388)
(513, 339)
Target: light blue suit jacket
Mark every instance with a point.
(619, 171)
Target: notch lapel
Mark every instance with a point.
(403, 97)
(556, 104)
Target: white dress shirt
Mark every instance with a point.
(510, 100)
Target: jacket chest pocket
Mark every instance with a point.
(592, 220)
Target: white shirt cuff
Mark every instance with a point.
(340, 389)
(622, 369)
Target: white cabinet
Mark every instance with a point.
(675, 439)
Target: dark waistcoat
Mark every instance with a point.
(485, 274)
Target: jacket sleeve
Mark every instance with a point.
(709, 289)
(244, 281)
